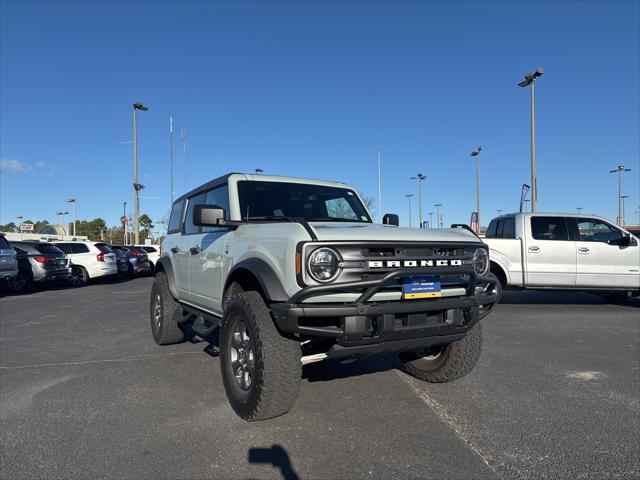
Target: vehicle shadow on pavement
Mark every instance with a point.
(537, 297)
(328, 370)
(275, 456)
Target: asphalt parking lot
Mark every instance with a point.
(86, 393)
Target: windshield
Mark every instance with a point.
(272, 200)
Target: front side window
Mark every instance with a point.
(3, 243)
(189, 227)
(313, 203)
(219, 197)
(591, 230)
(549, 228)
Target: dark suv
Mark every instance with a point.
(38, 262)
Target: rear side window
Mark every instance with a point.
(176, 217)
(48, 248)
(491, 229)
(150, 249)
(79, 248)
(549, 228)
(4, 244)
(65, 247)
(103, 247)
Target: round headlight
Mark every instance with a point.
(480, 261)
(323, 265)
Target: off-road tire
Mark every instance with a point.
(454, 361)
(79, 276)
(163, 311)
(278, 368)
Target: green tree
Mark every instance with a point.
(146, 224)
(91, 228)
(9, 227)
(39, 225)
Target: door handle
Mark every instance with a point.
(175, 249)
(583, 250)
(534, 249)
(195, 250)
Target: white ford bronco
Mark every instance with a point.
(293, 271)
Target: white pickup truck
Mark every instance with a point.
(564, 252)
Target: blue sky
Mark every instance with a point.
(312, 89)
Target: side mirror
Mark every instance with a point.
(624, 241)
(391, 219)
(208, 215)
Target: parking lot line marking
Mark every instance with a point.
(442, 414)
(108, 360)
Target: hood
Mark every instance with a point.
(335, 231)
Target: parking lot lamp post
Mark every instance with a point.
(136, 186)
(526, 205)
(622, 219)
(125, 223)
(499, 211)
(619, 169)
(19, 218)
(62, 214)
(529, 80)
(259, 171)
(421, 178)
(579, 209)
(430, 219)
(476, 154)
(73, 202)
(438, 218)
(409, 196)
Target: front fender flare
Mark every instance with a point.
(164, 265)
(266, 276)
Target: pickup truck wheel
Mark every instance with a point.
(261, 369)
(445, 363)
(79, 277)
(164, 328)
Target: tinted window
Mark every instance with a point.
(79, 248)
(19, 251)
(103, 247)
(549, 228)
(189, 227)
(176, 217)
(312, 202)
(65, 247)
(590, 230)
(491, 229)
(48, 248)
(3, 243)
(150, 249)
(509, 228)
(220, 198)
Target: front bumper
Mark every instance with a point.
(365, 327)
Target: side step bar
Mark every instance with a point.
(204, 324)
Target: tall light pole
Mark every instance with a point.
(526, 203)
(421, 178)
(258, 171)
(136, 186)
(409, 196)
(619, 169)
(73, 202)
(62, 214)
(529, 80)
(622, 219)
(476, 154)
(380, 189)
(171, 155)
(125, 223)
(430, 219)
(499, 211)
(438, 220)
(20, 218)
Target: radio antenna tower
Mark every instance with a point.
(171, 154)
(184, 159)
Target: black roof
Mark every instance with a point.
(216, 182)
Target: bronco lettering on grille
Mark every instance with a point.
(413, 263)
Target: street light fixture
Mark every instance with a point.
(73, 202)
(421, 178)
(410, 196)
(136, 186)
(619, 169)
(20, 217)
(529, 80)
(430, 219)
(526, 202)
(622, 219)
(62, 214)
(579, 209)
(499, 211)
(438, 218)
(476, 154)
(259, 171)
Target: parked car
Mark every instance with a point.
(564, 252)
(153, 252)
(38, 263)
(88, 260)
(122, 259)
(8, 259)
(138, 261)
